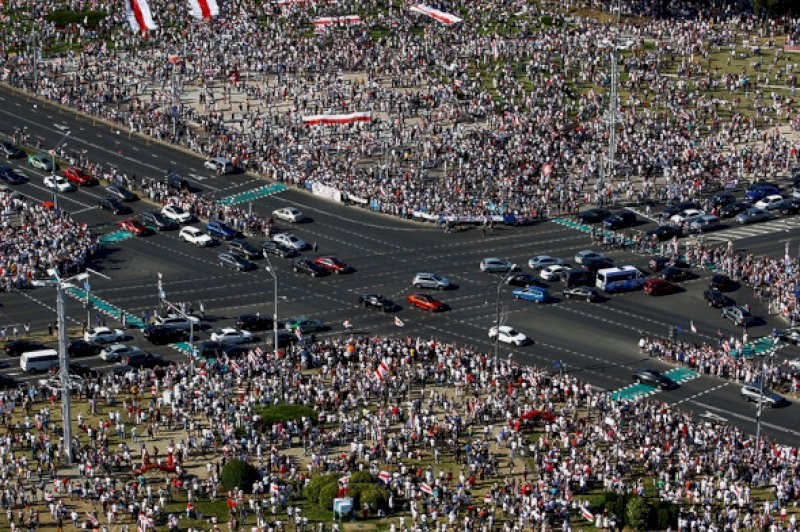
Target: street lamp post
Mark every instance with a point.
(497, 315)
(53, 168)
(761, 403)
(270, 270)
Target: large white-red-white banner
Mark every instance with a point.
(329, 21)
(203, 9)
(139, 16)
(315, 120)
(434, 13)
(305, 2)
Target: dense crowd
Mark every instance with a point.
(496, 114)
(35, 238)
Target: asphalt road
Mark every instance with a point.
(596, 341)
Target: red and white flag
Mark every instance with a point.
(347, 325)
(692, 327)
(399, 322)
(139, 16)
(425, 488)
(329, 21)
(385, 476)
(344, 481)
(173, 58)
(234, 366)
(441, 16)
(274, 488)
(203, 9)
(298, 333)
(587, 514)
(383, 370)
(315, 120)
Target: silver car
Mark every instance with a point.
(430, 280)
(752, 392)
(493, 264)
(753, 215)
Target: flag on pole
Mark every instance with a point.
(298, 333)
(347, 325)
(425, 488)
(385, 476)
(692, 327)
(203, 9)
(139, 16)
(399, 322)
(344, 481)
(587, 514)
(274, 488)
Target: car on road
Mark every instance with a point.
(75, 382)
(178, 322)
(82, 348)
(286, 338)
(754, 393)
(58, 182)
(790, 336)
(543, 261)
(15, 348)
(173, 212)
(553, 273)
(739, 315)
(301, 265)
(653, 377)
(40, 162)
(174, 180)
(270, 247)
(291, 241)
(332, 264)
(716, 298)
(117, 352)
(721, 281)
(114, 206)
(675, 208)
(704, 223)
(771, 202)
(685, 215)
(82, 370)
(734, 209)
(494, 264)
(753, 215)
(660, 262)
(430, 280)
(620, 220)
(219, 165)
(663, 232)
(593, 216)
(10, 151)
(671, 273)
(582, 292)
(305, 324)
(522, 279)
(536, 294)
(221, 230)
(254, 322)
(244, 248)
(289, 214)
(10, 176)
(659, 287)
(376, 301)
(158, 221)
(794, 364)
(78, 177)
(234, 261)
(146, 360)
(508, 335)
(587, 254)
(759, 192)
(195, 236)
(789, 206)
(722, 198)
(134, 226)
(103, 335)
(164, 334)
(425, 302)
(230, 335)
(7, 382)
(119, 192)
(593, 264)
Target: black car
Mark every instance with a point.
(721, 282)
(671, 273)
(788, 206)
(145, 360)
(11, 177)
(10, 151)
(235, 261)
(376, 301)
(675, 208)
(738, 315)
(270, 247)
(114, 205)
(245, 248)
(581, 292)
(733, 209)
(523, 279)
(158, 221)
(620, 220)
(15, 348)
(655, 378)
(663, 232)
(177, 182)
(659, 263)
(593, 216)
(722, 199)
(716, 298)
(161, 335)
(308, 267)
(253, 322)
(8, 382)
(235, 351)
(210, 349)
(592, 264)
(287, 338)
(82, 348)
(82, 370)
(119, 192)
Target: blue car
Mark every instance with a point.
(8, 175)
(760, 192)
(221, 230)
(537, 294)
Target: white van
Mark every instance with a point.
(43, 360)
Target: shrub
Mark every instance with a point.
(637, 513)
(312, 489)
(664, 515)
(375, 497)
(239, 475)
(282, 413)
(616, 504)
(355, 491)
(360, 477)
(63, 18)
(327, 493)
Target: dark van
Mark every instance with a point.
(577, 277)
(177, 182)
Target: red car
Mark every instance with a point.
(332, 264)
(425, 302)
(658, 287)
(134, 226)
(76, 176)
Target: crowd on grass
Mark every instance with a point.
(525, 446)
(503, 112)
(35, 238)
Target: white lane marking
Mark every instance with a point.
(748, 418)
(84, 210)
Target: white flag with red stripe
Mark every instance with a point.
(399, 322)
(349, 118)
(275, 489)
(692, 327)
(329, 21)
(203, 9)
(383, 370)
(385, 476)
(139, 16)
(426, 488)
(587, 514)
(441, 16)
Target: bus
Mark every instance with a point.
(622, 279)
(43, 360)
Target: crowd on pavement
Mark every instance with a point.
(467, 120)
(35, 237)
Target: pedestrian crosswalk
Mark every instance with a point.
(738, 232)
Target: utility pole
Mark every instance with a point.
(66, 390)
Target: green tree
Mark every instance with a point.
(637, 513)
(327, 493)
(239, 475)
(312, 489)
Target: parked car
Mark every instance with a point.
(675, 208)
(219, 165)
(158, 221)
(377, 301)
(593, 216)
(685, 215)
(659, 287)
(291, 241)
(10, 151)
(522, 279)
(552, 273)
(119, 192)
(235, 261)
(663, 232)
(508, 335)
(114, 206)
(15, 348)
(770, 202)
(704, 223)
(103, 335)
(77, 176)
(289, 214)
(734, 209)
(758, 192)
(146, 360)
(582, 292)
(739, 315)
(117, 352)
(332, 264)
(620, 220)
(305, 324)
(173, 212)
(229, 335)
(301, 265)
(543, 261)
(40, 162)
(133, 226)
(716, 298)
(754, 393)
(57, 182)
(164, 334)
(244, 248)
(195, 236)
(674, 274)
(789, 206)
(82, 348)
(537, 294)
(430, 280)
(723, 198)
(270, 247)
(221, 230)
(753, 215)
(494, 264)
(254, 322)
(425, 302)
(655, 378)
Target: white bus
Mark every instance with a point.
(622, 279)
(43, 360)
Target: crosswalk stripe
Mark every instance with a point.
(746, 231)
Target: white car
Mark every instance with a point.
(195, 236)
(770, 202)
(229, 335)
(684, 214)
(103, 335)
(794, 363)
(117, 352)
(176, 214)
(54, 383)
(508, 335)
(543, 261)
(220, 165)
(58, 182)
(289, 214)
(494, 264)
(290, 241)
(552, 273)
